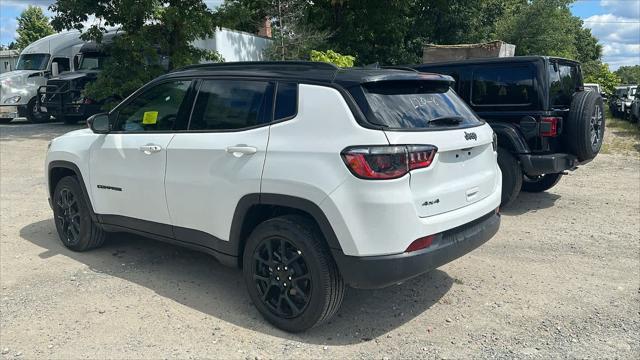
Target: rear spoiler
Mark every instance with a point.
(408, 76)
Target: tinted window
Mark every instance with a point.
(63, 64)
(415, 104)
(231, 104)
(503, 86)
(563, 84)
(286, 101)
(156, 109)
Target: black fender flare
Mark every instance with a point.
(510, 138)
(74, 168)
(293, 202)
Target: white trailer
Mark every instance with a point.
(37, 62)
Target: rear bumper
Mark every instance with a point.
(372, 272)
(547, 164)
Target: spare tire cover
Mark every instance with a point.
(584, 128)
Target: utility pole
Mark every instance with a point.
(281, 28)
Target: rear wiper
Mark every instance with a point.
(446, 120)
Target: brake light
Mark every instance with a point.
(387, 162)
(549, 126)
(88, 101)
(421, 243)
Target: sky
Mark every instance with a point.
(616, 24)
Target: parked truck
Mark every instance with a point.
(38, 62)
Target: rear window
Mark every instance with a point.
(503, 85)
(416, 105)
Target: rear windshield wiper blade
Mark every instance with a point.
(446, 120)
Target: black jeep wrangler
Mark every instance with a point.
(545, 122)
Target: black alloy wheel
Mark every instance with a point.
(597, 128)
(68, 216)
(282, 277)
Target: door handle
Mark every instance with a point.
(150, 148)
(240, 150)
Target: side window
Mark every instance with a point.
(63, 64)
(286, 101)
(562, 84)
(156, 109)
(232, 104)
(503, 86)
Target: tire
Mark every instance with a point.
(318, 288)
(72, 216)
(5, 120)
(511, 176)
(540, 183)
(33, 115)
(584, 130)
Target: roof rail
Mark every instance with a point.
(262, 64)
(398, 67)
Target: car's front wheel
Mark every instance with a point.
(290, 274)
(72, 216)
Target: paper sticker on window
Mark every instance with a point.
(150, 117)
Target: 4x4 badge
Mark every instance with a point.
(470, 136)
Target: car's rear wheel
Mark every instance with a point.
(511, 176)
(290, 274)
(72, 216)
(584, 130)
(540, 183)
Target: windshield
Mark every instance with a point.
(91, 62)
(416, 105)
(591, 87)
(32, 62)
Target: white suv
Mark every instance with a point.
(307, 176)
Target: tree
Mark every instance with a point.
(32, 26)
(538, 27)
(599, 73)
(156, 36)
(629, 74)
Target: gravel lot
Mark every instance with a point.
(561, 279)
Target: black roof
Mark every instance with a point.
(492, 60)
(305, 71)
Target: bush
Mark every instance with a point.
(333, 57)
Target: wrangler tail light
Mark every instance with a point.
(387, 162)
(549, 126)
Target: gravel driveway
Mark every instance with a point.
(561, 279)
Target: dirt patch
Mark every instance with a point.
(559, 280)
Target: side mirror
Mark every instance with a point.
(55, 70)
(99, 123)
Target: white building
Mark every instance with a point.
(8, 60)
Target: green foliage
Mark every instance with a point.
(32, 26)
(597, 72)
(629, 74)
(156, 36)
(333, 57)
(546, 27)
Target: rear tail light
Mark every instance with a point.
(387, 162)
(549, 126)
(421, 243)
(88, 101)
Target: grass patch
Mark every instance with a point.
(621, 136)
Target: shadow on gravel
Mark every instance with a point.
(22, 130)
(527, 202)
(198, 281)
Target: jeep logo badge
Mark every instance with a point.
(470, 136)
